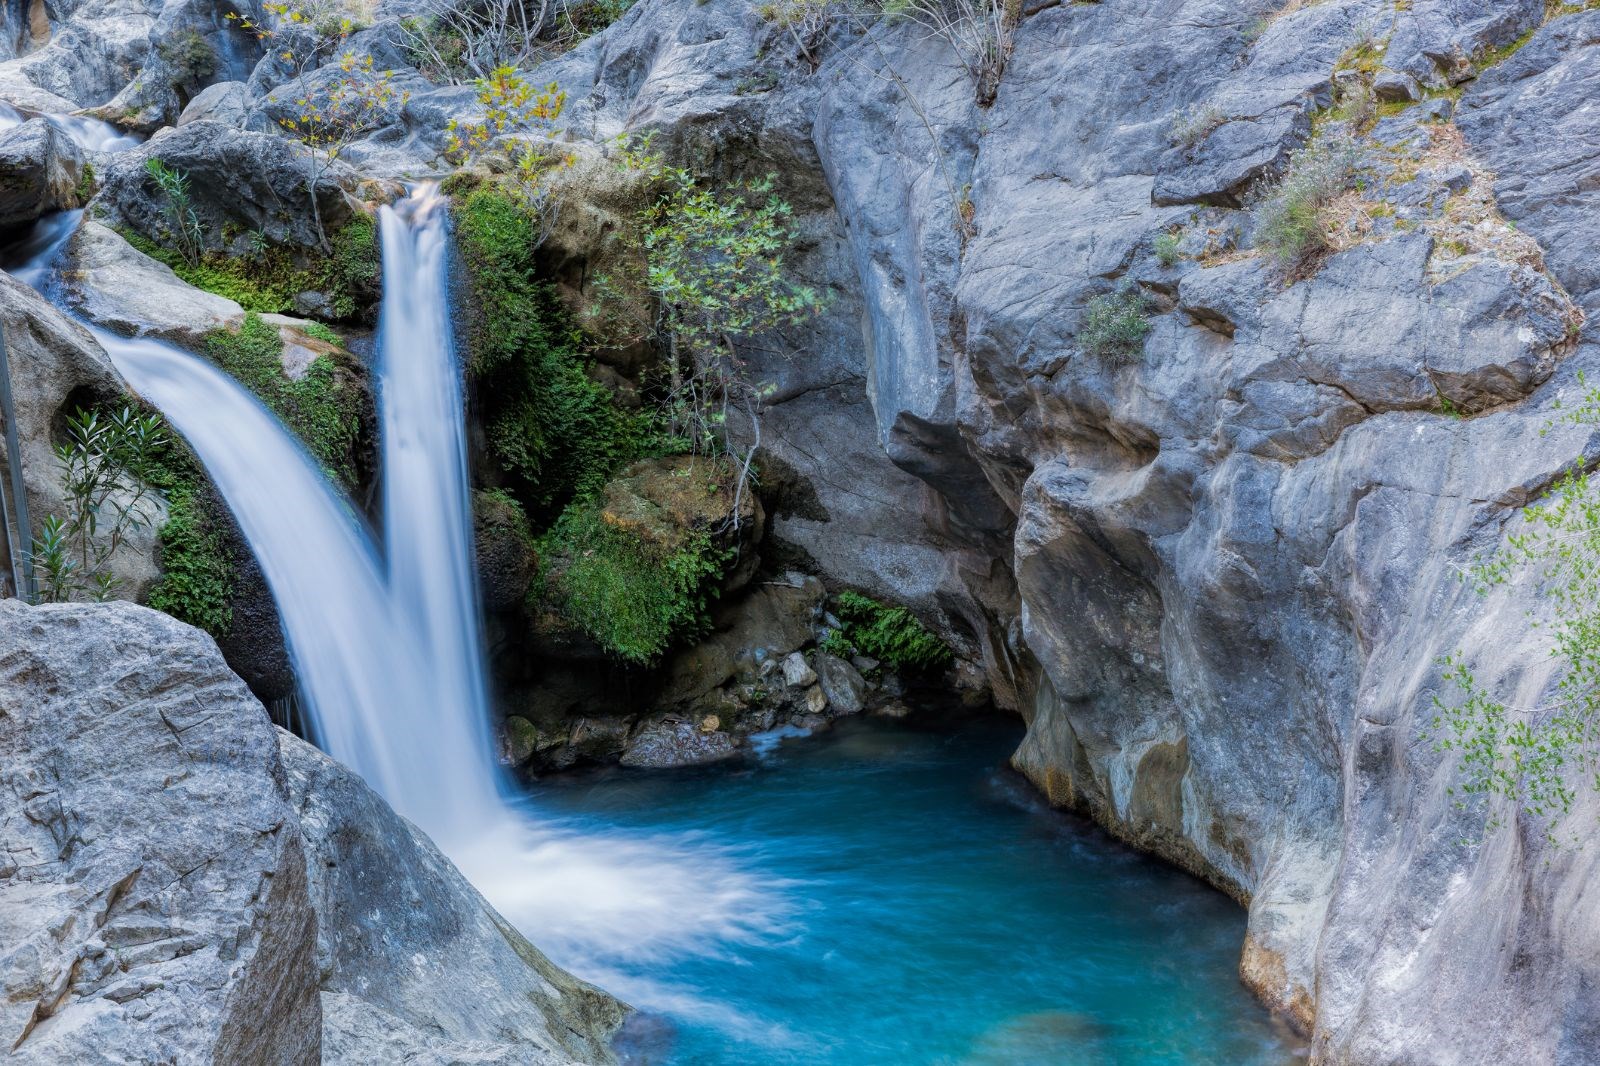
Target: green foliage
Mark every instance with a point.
(268, 278)
(86, 183)
(106, 502)
(711, 262)
(196, 566)
(635, 597)
(1289, 223)
(323, 407)
(1166, 249)
(1534, 759)
(189, 56)
(892, 635)
(197, 563)
(1194, 124)
(1115, 324)
(183, 225)
(558, 433)
(322, 333)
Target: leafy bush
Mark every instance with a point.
(1115, 324)
(1534, 760)
(324, 407)
(633, 596)
(892, 635)
(1289, 223)
(1166, 249)
(196, 565)
(106, 498)
(191, 59)
(183, 225)
(1194, 123)
(558, 433)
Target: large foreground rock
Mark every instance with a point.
(56, 367)
(174, 889)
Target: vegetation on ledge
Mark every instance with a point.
(892, 635)
(325, 407)
(556, 433)
(268, 279)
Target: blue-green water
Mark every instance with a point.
(916, 904)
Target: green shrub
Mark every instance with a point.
(1166, 249)
(633, 596)
(197, 565)
(558, 433)
(1115, 324)
(1194, 124)
(324, 407)
(892, 635)
(191, 59)
(196, 583)
(1289, 223)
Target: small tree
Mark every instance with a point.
(106, 501)
(462, 39)
(712, 261)
(331, 109)
(1535, 759)
(520, 118)
(188, 239)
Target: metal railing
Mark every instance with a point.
(19, 535)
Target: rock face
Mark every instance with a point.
(1214, 578)
(175, 889)
(154, 897)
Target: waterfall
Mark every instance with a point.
(385, 637)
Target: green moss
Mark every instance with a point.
(324, 407)
(86, 183)
(892, 635)
(1493, 57)
(635, 597)
(322, 333)
(554, 431)
(268, 279)
(197, 565)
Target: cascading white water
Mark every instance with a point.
(387, 643)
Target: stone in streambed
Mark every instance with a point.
(797, 673)
(845, 689)
(40, 171)
(668, 742)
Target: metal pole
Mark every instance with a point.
(19, 491)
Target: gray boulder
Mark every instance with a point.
(154, 901)
(239, 182)
(227, 102)
(419, 967)
(844, 687)
(195, 886)
(113, 284)
(40, 171)
(56, 367)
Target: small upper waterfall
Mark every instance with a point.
(385, 635)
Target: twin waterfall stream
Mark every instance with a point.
(384, 629)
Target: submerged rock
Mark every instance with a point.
(670, 742)
(185, 883)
